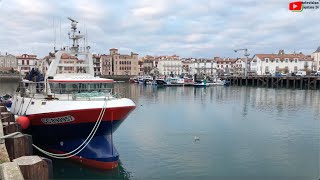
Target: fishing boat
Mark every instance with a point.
(174, 81)
(219, 82)
(148, 80)
(72, 115)
(161, 81)
(133, 80)
(140, 79)
(202, 83)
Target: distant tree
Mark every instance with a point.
(146, 70)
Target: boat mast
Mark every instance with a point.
(74, 50)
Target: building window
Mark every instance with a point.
(295, 68)
(286, 59)
(277, 60)
(267, 69)
(22, 62)
(267, 60)
(295, 60)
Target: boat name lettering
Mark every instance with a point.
(57, 120)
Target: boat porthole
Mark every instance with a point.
(61, 143)
(32, 103)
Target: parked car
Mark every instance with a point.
(278, 74)
(301, 73)
(293, 74)
(317, 73)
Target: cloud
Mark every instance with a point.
(201, 28)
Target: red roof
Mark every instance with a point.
(27, 56)
(282, 57)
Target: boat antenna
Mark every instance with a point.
(55, 37)
(54, 34)
(85, 35)
(60, 34)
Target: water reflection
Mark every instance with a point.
(68, 170)
(245, 132)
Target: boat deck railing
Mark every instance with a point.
(38, 91)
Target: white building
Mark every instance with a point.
(316, 57)
(26, 62)
(168, 65)
(8, 62)
(265, 64)
(188, 66)
(205, 66)
(225, 65)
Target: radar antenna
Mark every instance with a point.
(75, 36)
(72, 20)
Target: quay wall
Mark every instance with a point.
(293, 82)
(9, 77)
(118, 77)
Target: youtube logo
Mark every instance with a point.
(296, 6)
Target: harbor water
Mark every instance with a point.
(244, 133)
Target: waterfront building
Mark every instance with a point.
(147, 66)
(264, 64)
(68, 63)
(238, 68)
(188, 66)
(96, 58)
(8, 62)
(26, 62)
(120, 64)
(170, 65)
(205, 66)
(316, 58)
(106, 64)
(226, 65)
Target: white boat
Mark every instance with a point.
(140, 79)
(174, 81)
(219, 82)
(148, 80)
(72, 115)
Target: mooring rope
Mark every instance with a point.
(10, 135)
(78, 149)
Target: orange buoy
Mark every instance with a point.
(23, 121)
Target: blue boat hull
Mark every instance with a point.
(99, 153)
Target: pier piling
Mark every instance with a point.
(18, 148)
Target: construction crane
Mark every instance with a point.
(246, 54)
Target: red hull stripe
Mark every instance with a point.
(79, 116)
(91, 163)
(83, 80)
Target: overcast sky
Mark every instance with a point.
(189, 28)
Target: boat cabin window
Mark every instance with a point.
(68, 88)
